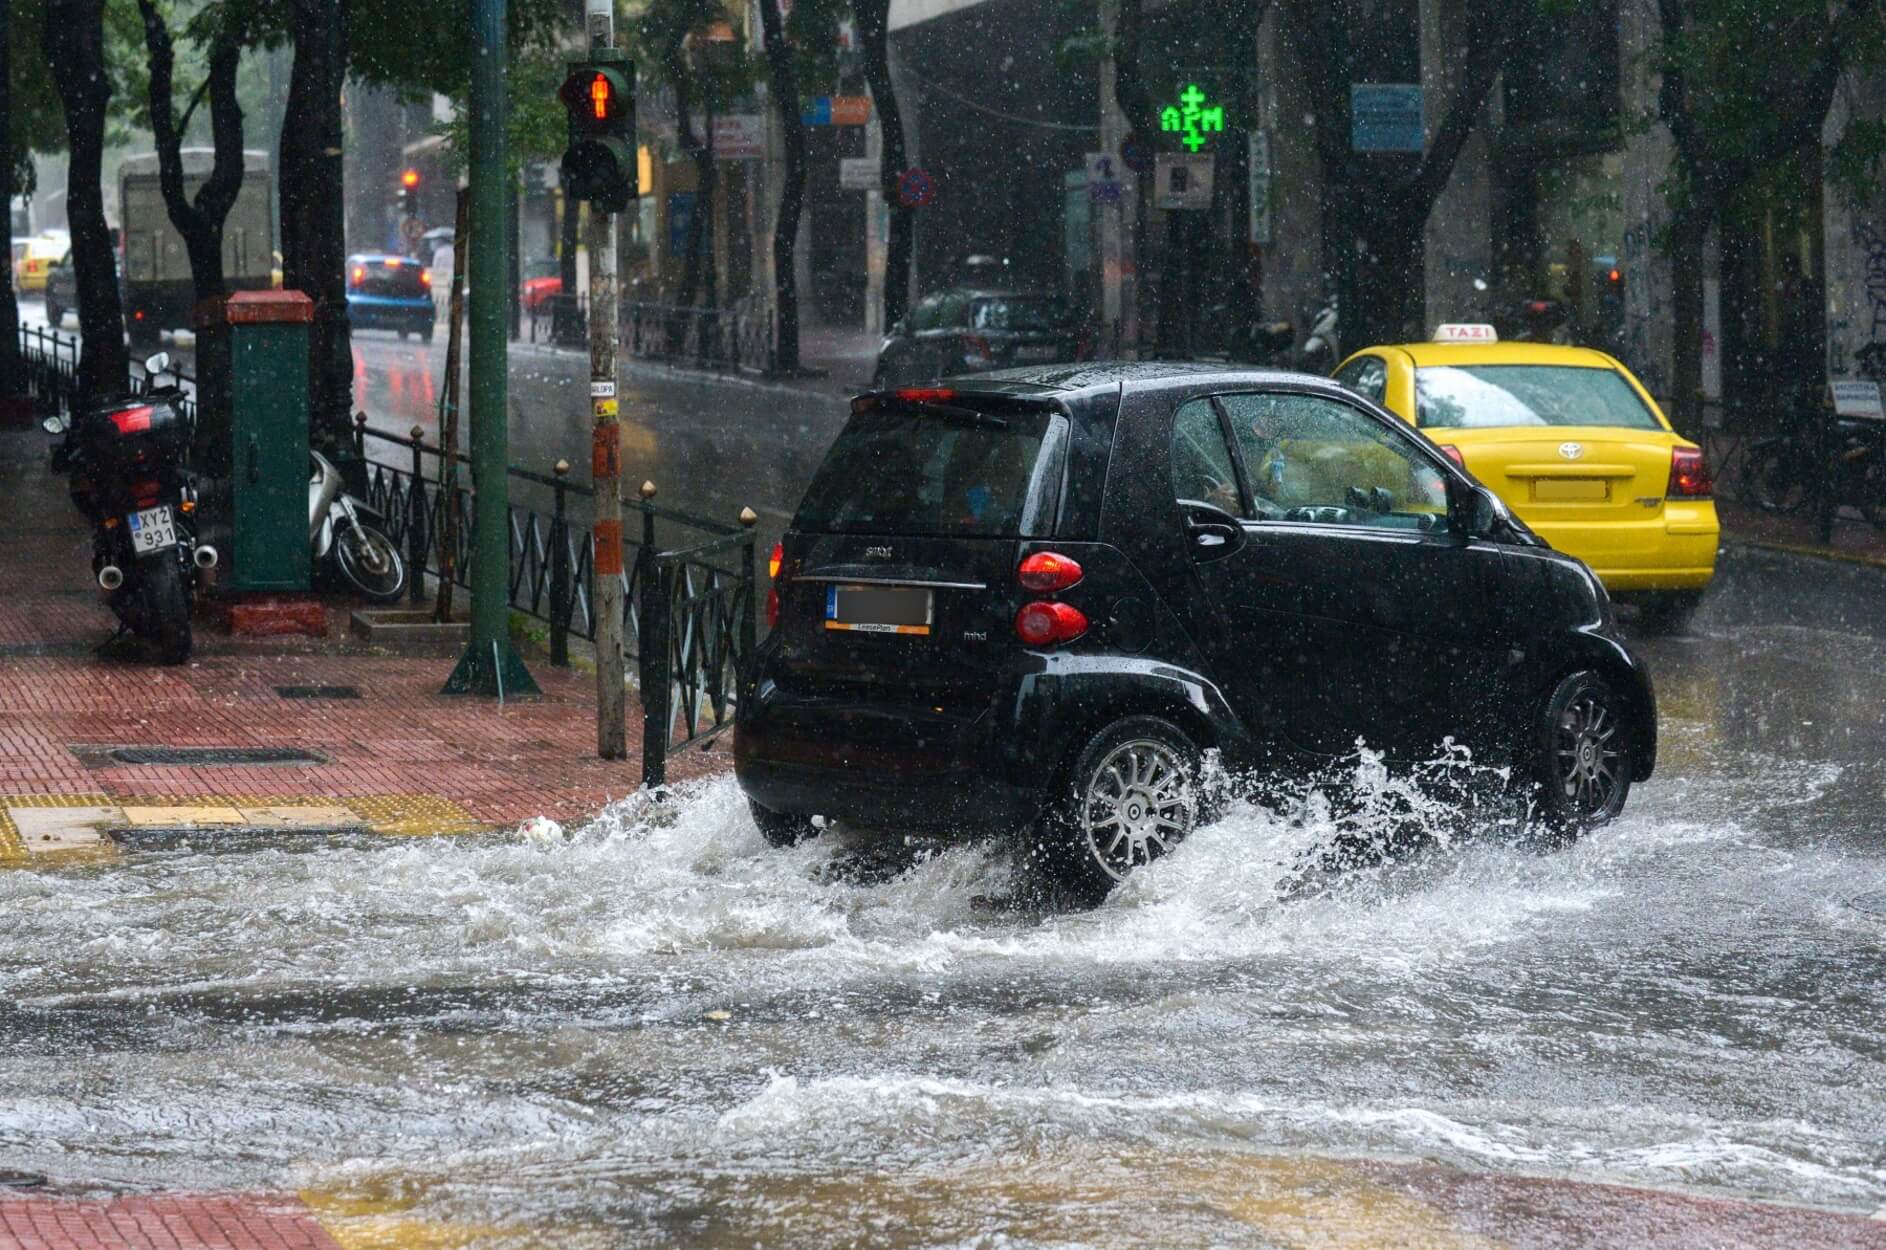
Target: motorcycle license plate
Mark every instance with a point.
(153, 529)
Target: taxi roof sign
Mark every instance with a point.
(1465, 332)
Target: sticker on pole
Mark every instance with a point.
(1135, 154)
(915, 188)
(1858, 400)
(602, 390)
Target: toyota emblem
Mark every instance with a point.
(1571, 451)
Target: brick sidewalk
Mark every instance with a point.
(400, 737)
(186, 1222)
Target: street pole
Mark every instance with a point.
(599, 232)
(491, 665)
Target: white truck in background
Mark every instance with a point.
(156, 267)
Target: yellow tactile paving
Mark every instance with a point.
(361, 1221)
(393, 815)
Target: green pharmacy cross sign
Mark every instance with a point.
(1191, 118)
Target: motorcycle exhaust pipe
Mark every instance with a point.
(205, 556)
(110, 577)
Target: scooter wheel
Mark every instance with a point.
(370, 563)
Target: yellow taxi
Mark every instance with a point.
(1573, 443)
(40, 254)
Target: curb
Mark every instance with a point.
(1802, 550)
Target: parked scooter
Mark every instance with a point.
(1318, 353)
(128, 478)
(343, 542)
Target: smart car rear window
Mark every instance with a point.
(386, 278)
(1493, 396)
(939, 470)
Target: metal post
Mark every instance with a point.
(749, 628)
(605, 444)
(416, 537)
(490, 662)
(560, 571)
(651, 647)
(1827, 496)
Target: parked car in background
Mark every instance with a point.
(62, 288)
(543, 280)
(971, 330)
(386, 292)
(40, 254)
(1574, 444)
(1039, 599)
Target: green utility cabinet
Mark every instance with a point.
(268, 333)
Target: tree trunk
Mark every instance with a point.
(12, 382)
(872, 18)
(75, 49)
(201, 223)
(1689, 228)
(314, 248)
(785, 94)
(1390, 302)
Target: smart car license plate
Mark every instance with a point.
(153, 529)
(879, 609)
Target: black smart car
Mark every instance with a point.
(1038, 598)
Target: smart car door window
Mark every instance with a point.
(1317, 460)
(1202, 468)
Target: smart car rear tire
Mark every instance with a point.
(781, 829)
(1132, 793)
(1582, 770)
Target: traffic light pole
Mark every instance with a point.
(491, 665)
(605, 445)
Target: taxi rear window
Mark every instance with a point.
(1494, 396)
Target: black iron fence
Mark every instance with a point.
(720, 339)
(51, 361)
(688, 581)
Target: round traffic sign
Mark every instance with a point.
(1137, 156)
(915, 188)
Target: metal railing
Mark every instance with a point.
(51, 362)
(721, 339)
(689, 610)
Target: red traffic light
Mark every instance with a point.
(600, 96)
(409, 179)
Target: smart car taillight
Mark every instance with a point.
(1453, 453)
(926, 394)
(1047, 572)
(1045, 623)
(1689, 475)
(774, 562)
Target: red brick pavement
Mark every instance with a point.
(535, 756)
(178, 1222)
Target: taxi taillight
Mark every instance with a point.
(1453, 453)
(1689, 474)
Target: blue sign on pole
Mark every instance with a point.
(1385, 117)
(818, 111)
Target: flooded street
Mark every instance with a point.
(659, 1029)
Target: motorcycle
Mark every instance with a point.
(343, 543)
(1318, 353)
(126, 458)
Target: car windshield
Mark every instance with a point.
(540, 269)
(1491, 396)
(1018, 312)
(917, 471)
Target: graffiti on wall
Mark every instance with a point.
(1873, 257)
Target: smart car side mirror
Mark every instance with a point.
(1482, 514)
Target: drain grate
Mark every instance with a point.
(212, 756)
(318, 692)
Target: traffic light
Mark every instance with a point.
(599, 163)
(408, 195)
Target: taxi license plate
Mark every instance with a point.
(879, 609)
(1570, 490)
(153, 529)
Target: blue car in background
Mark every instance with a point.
(387, 292)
